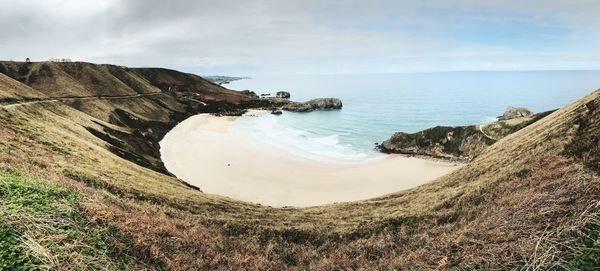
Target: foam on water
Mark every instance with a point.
(270, 129)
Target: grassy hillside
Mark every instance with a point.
(530, 200)
(11, 91)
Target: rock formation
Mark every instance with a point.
(314, 104)
(283, 94)
(515, 112)
(455, 143)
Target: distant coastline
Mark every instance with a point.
(222, 80)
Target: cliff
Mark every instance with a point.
(456, 143)
(314, 104)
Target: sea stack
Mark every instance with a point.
(314, 104)
(283, 94)
(515, 112)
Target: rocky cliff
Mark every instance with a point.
(314, 104)
(456, 143)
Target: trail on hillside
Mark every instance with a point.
(80, 98)
(483, 132)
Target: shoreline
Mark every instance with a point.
(294, 151)
(204, 152)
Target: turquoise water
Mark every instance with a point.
(376, 106)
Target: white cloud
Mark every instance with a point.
(270, 36)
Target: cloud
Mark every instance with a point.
(269, 36)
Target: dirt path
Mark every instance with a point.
(62, 99)
(481, 130)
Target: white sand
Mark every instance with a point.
(203, 152)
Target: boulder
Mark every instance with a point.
(515, 112)
(314, 104)
(276, 111)
(282, 94)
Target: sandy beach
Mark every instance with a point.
(204, 152)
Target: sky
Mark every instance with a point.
(272, 37)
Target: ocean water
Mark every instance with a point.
(377, 105)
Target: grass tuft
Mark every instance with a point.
(43, 228)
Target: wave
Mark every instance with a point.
(309, 144)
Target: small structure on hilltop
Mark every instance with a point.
(60, 60)
(28, 60)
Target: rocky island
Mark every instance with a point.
(515, 112)
(283, 94)
(314, 104)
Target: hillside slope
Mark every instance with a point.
(12, 91)
(136, 107)
(529, 200)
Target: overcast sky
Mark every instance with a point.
(258, 37)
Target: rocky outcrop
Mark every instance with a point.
(515, 112)
(455, 143)
(283, 94)
(276, 111)
(462, 142)
(314, 104)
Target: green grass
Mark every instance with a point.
(42, 227)
(588, 247)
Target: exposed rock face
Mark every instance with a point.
(462, 142)
(455, 143)
(515, 112)
(314, 104)
(283, 94)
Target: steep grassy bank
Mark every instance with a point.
(526, 201)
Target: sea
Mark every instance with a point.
(375, 106)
